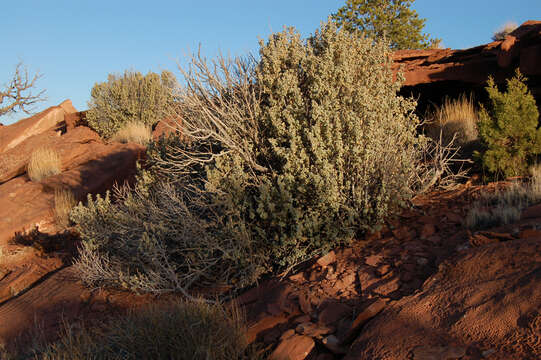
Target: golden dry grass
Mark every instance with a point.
(135, 132)
(43, 162)
(181, 330)
(64, 201)
(505, 207)
(455, 117)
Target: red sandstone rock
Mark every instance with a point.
(109, 165)
(13, 135)
(471, 65)
(327, 259)
(427, 231)
(532, 212)
(333, 312)
(73, 148)
(325, 357)
(26, 204)
(73, 120)
(530, 234)
(373, 260)
(486, 298)
(313, 330)
(332, 343)
(165, 128)
(262, 325)
(297, 347)
(371, 311)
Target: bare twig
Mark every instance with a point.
(17, 94)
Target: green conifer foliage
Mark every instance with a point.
(509, 128)
(392, 18)
(131, 97)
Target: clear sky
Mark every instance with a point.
(76, 43)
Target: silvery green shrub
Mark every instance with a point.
(309, 146)
(282, 158)
(130, 97)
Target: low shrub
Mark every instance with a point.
(43, 162)
(319, 146)
(282, 159)
(135, 132)
(130, 97)
(505, 206)
(181, 330)
(509, 129)
(150, 240)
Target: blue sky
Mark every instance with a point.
(76, 43)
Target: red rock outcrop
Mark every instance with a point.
(439, 72)
(74, 147)
(13, 135)
(486, 300)
(88, 166)
(26, 204)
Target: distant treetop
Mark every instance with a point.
(391, 18)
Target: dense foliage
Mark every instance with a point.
(509, 128)
(391, 18)
(283, 159)
(131, 97)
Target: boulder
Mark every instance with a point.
(73, 147)
(13, 135)
(485, 299)
(296, 347)
(436, 73)
(109, 165)
(26, 204)
(166, 127)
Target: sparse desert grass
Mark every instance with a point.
(504, 30)
(43, 162)
(136, 132)
(454, 118)
(181, 330)
(64, 201)
(505, 207)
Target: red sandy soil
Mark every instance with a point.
(422, 288)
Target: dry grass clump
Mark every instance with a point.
(181, 330)
(64, 201)
(136, 132)
(455, 118)
(43, 162)
(504, 30)
(505, 207)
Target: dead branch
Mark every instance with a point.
(17, 94)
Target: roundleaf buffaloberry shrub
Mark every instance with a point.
(509, 128)
(129, 98)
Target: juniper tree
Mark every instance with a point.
(392, 18)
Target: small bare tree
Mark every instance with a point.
(17, 94)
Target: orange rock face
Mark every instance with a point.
(13, 135)
(475, 64)
(88, 166)
(437, 73)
